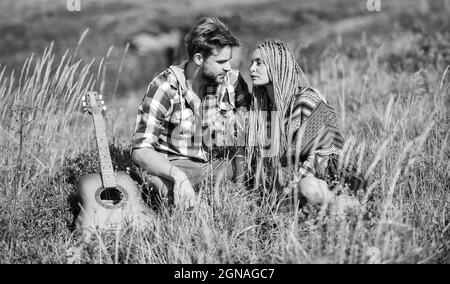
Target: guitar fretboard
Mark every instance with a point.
(106, 167)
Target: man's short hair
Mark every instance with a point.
(208, 34)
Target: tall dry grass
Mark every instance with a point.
(40, 127)
(38, 115)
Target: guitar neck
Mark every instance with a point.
(106, 167)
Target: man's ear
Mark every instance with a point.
(199, 59)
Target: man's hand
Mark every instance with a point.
(183, 192)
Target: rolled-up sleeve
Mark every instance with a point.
(151, 117)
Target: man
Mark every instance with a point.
(182, 111)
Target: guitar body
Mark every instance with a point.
(111, 208)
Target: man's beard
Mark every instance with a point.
(213, 79)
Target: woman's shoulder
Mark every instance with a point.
(307, 97)
(310, 93)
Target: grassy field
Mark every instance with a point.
(386, 73)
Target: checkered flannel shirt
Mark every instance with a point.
(172, 120)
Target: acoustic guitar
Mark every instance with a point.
(109, 199)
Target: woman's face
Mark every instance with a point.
(258, 70)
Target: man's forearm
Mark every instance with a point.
(156, 164)
(239, 165)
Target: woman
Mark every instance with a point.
(282, 104)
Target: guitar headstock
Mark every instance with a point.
(93, 103)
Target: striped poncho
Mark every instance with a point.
(328, 141)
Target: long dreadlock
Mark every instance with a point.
(287, 78)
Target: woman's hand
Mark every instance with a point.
(313, 189)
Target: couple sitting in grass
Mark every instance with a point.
(185, 111)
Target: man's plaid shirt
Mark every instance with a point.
(172, 120)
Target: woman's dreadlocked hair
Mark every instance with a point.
(287, 79)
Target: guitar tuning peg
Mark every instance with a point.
(84, 104)
(103, 102)
(100, 96)
(83, 98)
(104, 107)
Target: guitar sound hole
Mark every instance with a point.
(111, 196)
